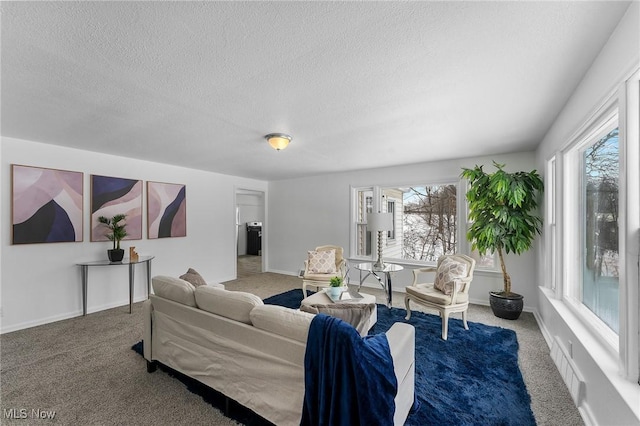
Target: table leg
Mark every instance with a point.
(148, 278)
(389, 293)
(367, 276)
(131, 275)
(84, 270)
(384, 284)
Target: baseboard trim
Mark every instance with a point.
(40, 321)
(277, 271)
(68, 315)
(543, 329)
(586, 414)
(485, 302)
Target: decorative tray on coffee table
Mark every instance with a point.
(345, 296)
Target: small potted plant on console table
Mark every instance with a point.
(118, 232)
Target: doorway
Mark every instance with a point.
(250, 245)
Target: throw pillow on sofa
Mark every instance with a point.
(193, 277)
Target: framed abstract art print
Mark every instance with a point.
(111, 196)
(46, 205)
(166, 210)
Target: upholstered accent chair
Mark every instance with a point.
(322, 264)
(448, 293)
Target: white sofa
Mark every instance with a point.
(250, 352)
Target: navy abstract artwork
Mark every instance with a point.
(46, 205)
(111, 196)
(166, 210)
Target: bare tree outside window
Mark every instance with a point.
(601, 251)
(429, 222)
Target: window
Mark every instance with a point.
(600, 252)
(391, 208)
(590, 229)
(425, 221)
(364, 205)
(430, 222)
(488, 261)
(597, 213)
(550, 222)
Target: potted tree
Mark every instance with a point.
(502, 211)
(118, 232)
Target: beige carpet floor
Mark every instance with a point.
(84, 370)
(248, 265)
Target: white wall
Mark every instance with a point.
(615, 61)
(41, 283)
(322, 216)
(609, 398)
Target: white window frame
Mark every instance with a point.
(551, 234)
(572, 183)
(629, 122)
(626, 346)
(355, 222)
(393, 232)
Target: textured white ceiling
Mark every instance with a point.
(357, 84)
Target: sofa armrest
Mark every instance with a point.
(402, 344)
(402, 341)
(147, 310)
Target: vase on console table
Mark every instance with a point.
(335, 292)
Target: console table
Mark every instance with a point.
(388, 269)
(85, 276)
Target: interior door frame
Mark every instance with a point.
(263, 195)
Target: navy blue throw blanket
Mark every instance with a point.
(349, 380)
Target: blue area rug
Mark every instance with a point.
(471, 379)
(229, 407)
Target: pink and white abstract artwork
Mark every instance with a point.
(111, 196)
(166, 210)
(46, 205)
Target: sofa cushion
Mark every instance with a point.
(282, 321)
(193, 277)
(235, 305)
(449, 270)
(322, 262)
(174, 289)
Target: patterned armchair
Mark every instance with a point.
(322, 264)
(448, 293)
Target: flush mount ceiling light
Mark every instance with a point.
(278, 141)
